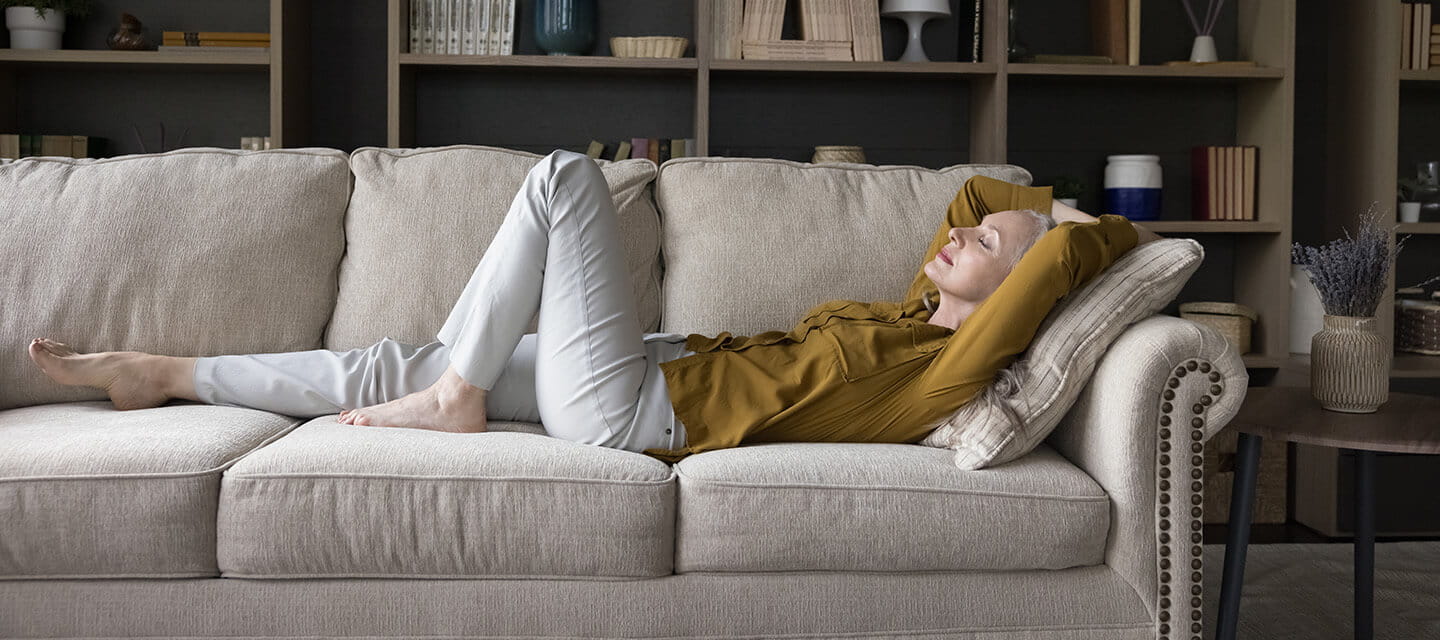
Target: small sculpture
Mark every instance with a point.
(129, 36)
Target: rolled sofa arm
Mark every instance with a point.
(1159, 393)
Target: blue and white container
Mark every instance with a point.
(1132, 186)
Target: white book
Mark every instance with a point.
(416, 6)
(493, 34)
(427, 26)
(507, 28)
(457, 28)
(482, 27)
(442, 26)
(467, 26)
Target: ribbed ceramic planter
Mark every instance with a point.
(1349, 365)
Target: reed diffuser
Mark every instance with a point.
(1204, 48)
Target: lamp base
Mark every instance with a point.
(914, 47)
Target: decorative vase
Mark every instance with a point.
(29, 31)
(1203, 50)
(1349, 365)
(915, 13)
(1132, 186)
(1410, 211)
(565, 27)
(129, 36)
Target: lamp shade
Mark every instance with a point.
(932, 7)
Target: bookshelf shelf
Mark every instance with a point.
(1146, 71)
(1210, 226)
(1418, 75)
(1418, 228)
(80, 58)
(548, 62)
(889, 67)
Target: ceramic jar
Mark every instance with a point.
(1349, 365)
(565, 27)
(1132, 186)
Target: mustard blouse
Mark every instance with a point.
(878, 371)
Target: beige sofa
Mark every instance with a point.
(194, 520)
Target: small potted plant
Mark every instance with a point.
(1408, 191)
(1068, 189)
(37, 24)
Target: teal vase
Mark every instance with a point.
(565, 27)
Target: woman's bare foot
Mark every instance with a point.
(132, 378)
(451, 404)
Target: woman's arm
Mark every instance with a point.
(1062, 213)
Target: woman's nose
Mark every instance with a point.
(956, 236)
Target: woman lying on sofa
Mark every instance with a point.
(848, 372)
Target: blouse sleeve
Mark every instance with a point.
(1003, 325)
(980, 197)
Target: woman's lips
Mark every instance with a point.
(945, 257)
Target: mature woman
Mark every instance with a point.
(848, 372)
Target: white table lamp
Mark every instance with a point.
(915, 13)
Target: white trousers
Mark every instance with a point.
(588, 374)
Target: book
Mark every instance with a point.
(796, 50)
(725, 28)
(256, 51)
(79, 146)
(652, 150)
(622, 150)
(976, 31)
(442, 26)
(690, 149)
(427, 26)
(762, 20)
(825, 19)
(1247, 186)
(640, 148)
(482, 27)
(1422, 52)
(216, 35)
(216, 43)
(55, 146)
(1132, 33)
(1108, 21)
(414, 24)
(1200, 183)
(467, 27)
(677, 148)
(507, 28)
(458, 15)
(1406, 27)
(664, 153)
(595, 149)
(865, 31)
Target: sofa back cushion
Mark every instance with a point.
(420, 219)
(193, 252)
(751, 244)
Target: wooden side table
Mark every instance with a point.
(1408, 423)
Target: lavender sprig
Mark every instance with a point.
(1350, 272)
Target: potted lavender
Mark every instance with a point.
(1349, 361)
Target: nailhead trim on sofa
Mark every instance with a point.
(1204, 390)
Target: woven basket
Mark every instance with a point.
(1232, 320)
(1417, 326)
(648, 46)
(838, 153)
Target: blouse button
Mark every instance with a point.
(667, 431)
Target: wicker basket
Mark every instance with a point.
(1417, 326)
(648, 46)
(1232, 320)
(838, 153)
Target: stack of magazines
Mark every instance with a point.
(462, 27)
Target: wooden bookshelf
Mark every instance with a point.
(1418, 228)
(285, 66)
(1147, 71)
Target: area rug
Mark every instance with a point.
(1305, 591)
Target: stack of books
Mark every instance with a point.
(1223, 182)
(462, 27)
(14, 146)
(1418, 36)
(829, 30)
(215, 41)
(657, 150)
(1115, 30)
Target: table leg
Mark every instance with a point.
(1242, 499)
(1364, 544)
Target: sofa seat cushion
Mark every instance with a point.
(87, 491)
(338, 500)
(828, 506)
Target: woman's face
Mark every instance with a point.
(978, 258)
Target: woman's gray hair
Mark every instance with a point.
(1039, 224)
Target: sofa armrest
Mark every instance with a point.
(1138, 429)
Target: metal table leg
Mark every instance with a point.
(1242, 499)
(1364, 544)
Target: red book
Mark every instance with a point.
(1200, 184)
